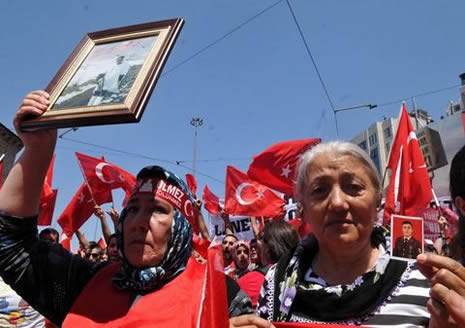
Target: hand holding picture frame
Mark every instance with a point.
(109, 76)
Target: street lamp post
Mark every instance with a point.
(337, 110)
(195, 122)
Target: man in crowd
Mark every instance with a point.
(49, 234)
(228, 243)
(95, 252)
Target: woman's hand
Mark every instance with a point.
(34, 104)
(249, 321)
(98, 211)
(447, 302)
(113, 213)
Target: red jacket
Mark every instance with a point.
(174, 305)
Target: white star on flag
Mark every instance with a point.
(285, 171)
(259, 193)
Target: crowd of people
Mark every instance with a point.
(342, 273)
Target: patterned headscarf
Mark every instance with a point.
(143, 281)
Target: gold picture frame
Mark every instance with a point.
(109, 76)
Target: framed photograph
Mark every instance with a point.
(109, 76)
(407, 237)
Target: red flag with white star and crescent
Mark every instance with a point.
(81, 207)
(276, 166)
(410, 187)
(102, 175)
(245, 196)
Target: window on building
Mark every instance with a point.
(387, 132)
(388, 148)
(363, 145)
(428, 161)
(373, 140)
(374, 155)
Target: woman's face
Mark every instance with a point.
(340, 201)
(147, 230)
(241, 257)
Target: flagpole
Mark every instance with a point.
(195, 122)
(390, 150)
(436, 200)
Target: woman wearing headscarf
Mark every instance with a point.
(342, 273)
(154, 284)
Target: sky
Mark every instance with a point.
(254, 86)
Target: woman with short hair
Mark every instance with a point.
(341, 273)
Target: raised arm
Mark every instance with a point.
(21, 190)
(255, 227)
(114, 215)
(227, 223)
(100, 213)
(201, 221)
(46, 275)
(82, 239)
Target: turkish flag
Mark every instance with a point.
(247, 197)
(276, 167)
(210, 201)
(48, 198)
(214, 309)
(47, 207)
(301, 226)
(409, 188)
(101, 175)
(101, 242)
(192, 183)
(65, 242)
(81, 207)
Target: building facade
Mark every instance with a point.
(438, 140)
(10, 145)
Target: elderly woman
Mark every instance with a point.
(152, 284)
(341, 273)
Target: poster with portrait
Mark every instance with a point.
(407, 237)
(109, 76)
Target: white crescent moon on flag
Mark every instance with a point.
(186, 208)
(99, 172)
(239, 192)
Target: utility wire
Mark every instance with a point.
(314, 63)
(173, 163)
(216, 160)
(211, 44)
(224, 36)
(419, 95)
